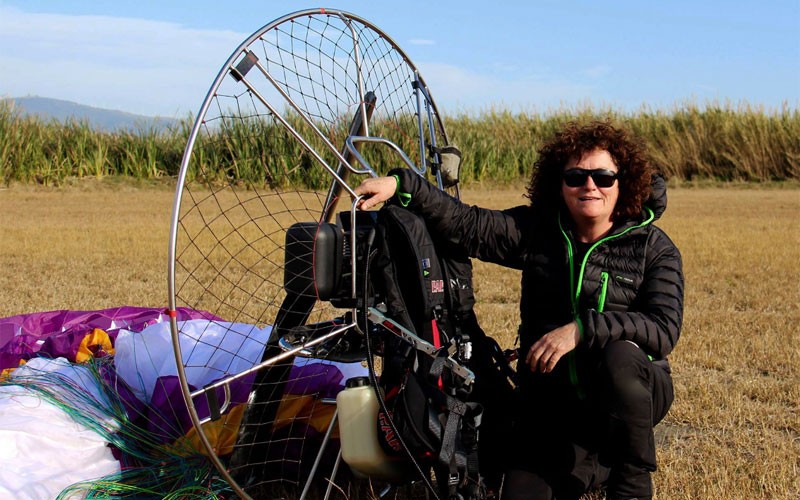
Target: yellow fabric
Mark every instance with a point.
(223, 432)
(95, 338)
(220, 433)
(6, 374)
(308, 409)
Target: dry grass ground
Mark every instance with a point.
(734, 430)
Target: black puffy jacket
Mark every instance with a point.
(629, 286)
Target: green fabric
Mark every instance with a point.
(601, 301)
(403, 198)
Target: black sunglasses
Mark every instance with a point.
(576, 177)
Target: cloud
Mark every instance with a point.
(421, 41)
(598, 71)
(134, 65)
(161, 68)
(456, 89)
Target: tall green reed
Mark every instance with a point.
(719, 141)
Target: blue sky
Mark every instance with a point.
(160, 57)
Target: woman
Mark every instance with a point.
(601, 307)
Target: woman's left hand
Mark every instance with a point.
(545, 353)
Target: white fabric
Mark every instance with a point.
(210, 350)
(42, 450)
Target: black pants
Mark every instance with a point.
(573, 439)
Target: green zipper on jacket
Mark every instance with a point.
(577, 285)
(601, 301)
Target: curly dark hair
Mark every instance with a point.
(575, 140)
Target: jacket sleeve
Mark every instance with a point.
(489, 235)
(654, 320)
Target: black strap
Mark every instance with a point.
(437, 366)
(455, 410)
(469, 439)
(253, 442)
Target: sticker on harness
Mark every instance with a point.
(437, 286)
(388, 433)
(426, 263)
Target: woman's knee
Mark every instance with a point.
(626, 369)
(623, 360)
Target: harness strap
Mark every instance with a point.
(455, 411)
(469, 439)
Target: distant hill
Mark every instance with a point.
(101, 119)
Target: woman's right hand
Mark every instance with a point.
(375, 190)
(548, 350)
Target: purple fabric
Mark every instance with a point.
(324, 380)
(59, 333)
(165, 418)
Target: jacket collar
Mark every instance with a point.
(658, 196)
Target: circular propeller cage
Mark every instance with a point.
(302, 111)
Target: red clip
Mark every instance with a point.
(172, 313)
